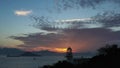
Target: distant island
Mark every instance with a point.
(29, 54)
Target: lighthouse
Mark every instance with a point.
(69, 55)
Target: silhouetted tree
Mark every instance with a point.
(107, 50)
(108, 57)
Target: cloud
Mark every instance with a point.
(82, 35)
(115, 28)
(109, 19)
(102, 20)
(72, 20)
(80, 23)
(22, 12)
(45, 24)
(82, 40)
(68, 4)
(40, 39)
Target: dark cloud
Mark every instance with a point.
(40, 39)
(82, 40)
(108, 19)
(43, 23)
(67, 4)
(103, 20)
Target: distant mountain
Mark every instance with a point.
(29, 54)
(18, 52)
(51, 53)
(47, 52)
(10, 51)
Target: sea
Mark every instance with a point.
(28, 62)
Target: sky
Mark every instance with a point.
(84, 25)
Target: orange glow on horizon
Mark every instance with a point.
(60, 50)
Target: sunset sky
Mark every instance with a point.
(84, 25)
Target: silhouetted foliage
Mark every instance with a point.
(108, 57)
(108, 50)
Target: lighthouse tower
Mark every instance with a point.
(69, 54)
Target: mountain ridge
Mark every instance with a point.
(18, 52)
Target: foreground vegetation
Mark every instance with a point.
(107, 57)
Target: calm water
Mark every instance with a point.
(28, 62)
